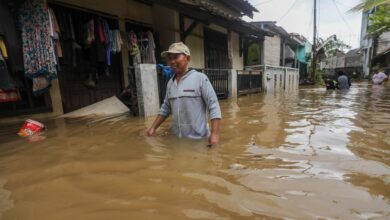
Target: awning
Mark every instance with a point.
(288, 53)
(207, 13)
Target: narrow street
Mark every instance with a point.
(302, 154)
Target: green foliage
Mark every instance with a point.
(379, 21)
(368, 4)
(319, 77)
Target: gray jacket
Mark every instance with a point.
(343, 82)
(188, 102)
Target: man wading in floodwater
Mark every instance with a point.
(189, 95)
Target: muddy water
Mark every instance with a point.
(309, 154)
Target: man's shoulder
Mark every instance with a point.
(195, 74)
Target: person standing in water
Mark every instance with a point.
(343, 81)
(189, 96)
(379, 77)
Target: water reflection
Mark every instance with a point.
(302, 155)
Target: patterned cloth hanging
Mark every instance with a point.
(38, 48)
(116, 44)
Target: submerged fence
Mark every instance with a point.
(277, 78)
(218, 79)
(249, 81)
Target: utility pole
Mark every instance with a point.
(314, 48)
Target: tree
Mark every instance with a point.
(379, 19)
(369, 4)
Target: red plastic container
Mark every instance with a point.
(30, 127)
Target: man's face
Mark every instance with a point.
(178, 62)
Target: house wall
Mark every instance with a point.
(272, 50)
(196, 44)
(164, 21)
(238, 61)
(355, 60)
(335, 62)
(383, 43)
(123, 9)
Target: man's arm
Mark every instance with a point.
(157, 122)
(211, 100)
(165, 110)
(214, 136)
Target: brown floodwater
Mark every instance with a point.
(307, 154)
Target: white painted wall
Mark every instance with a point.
(272, 50)
(165, 25)
(237, 62)
(196, 44)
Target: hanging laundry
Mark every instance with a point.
(3, 48)
(55, 36)
(116, 45)
(99, 43)
(119, 40)
(108, 40)
(132, 44)
(144, 44)
(254, 54)
(5, 79)
(38, 48)
(166, 71)
(11, 39)
(102, 37)
(90, 32)
(55, 32)
(40, 84)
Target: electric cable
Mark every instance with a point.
(288, 11)
(342, 17)
(261, 3)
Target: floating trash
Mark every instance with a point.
(236, 166)
(30, 128)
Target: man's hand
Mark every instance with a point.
(213, 139)
(157, 122)
(150, 131)
(214, 136)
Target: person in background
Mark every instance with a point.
(189, 96)
(343, 81)
(379, 77)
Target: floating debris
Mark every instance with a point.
(30, 128)
(236, 166)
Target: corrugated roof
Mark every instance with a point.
(242, 5)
